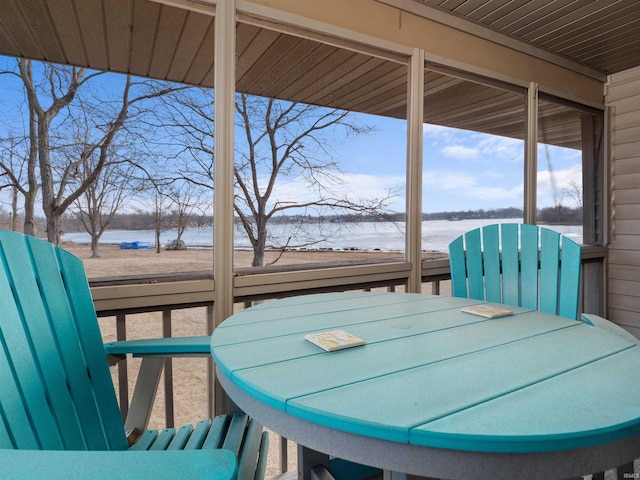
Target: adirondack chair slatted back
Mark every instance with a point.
(523, 265)
(57, 391)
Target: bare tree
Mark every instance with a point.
(18, 172)
(63, 84)
(103, 198)
(574, 191)
(185, 200)
(18, 166)
(16, 175)
(276, 141)
(5, 219)
(59, 86)
(285, 139)
(159, 216)
(187, 121)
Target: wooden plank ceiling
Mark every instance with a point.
(150, 39)
(601, 34)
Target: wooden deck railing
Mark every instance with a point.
(166, 293)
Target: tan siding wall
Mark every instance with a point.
(623, 97)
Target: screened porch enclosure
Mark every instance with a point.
(534, 76)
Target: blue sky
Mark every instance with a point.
(462, 170)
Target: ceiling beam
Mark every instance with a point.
(429, 12)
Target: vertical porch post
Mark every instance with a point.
(531, 155)
(413, 236)
(224, 84)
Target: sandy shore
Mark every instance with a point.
(114, 261)
(189, 375)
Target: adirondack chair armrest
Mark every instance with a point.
(153, 353)
(212, 464)
(599, 322)
(161, 347)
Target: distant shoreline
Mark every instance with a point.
(355, 237)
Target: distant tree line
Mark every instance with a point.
(145, 220)
(560, 215)
(510, 212)
(140, 220)
(556, 215)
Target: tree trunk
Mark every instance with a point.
(29, 209)
(46, 179)
(32, 179)
(95, 252)
(14, 209)
(258, 257)
(260, 245)
(53, 228)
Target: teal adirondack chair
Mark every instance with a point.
(59, 416)
(522, 265)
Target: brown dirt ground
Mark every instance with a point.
(113, 261)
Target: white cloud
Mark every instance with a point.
(503, 148)
(467, 185)
(460, 152)
(489, 147)
(355, 186)
(496, 193)
(558, 187)
(436, 131)
(440, 135)
(448, 180)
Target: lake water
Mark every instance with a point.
(367, 236)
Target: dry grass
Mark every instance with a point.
(114, 261)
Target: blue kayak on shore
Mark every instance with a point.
(135, 245)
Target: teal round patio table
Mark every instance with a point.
(436, 391)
